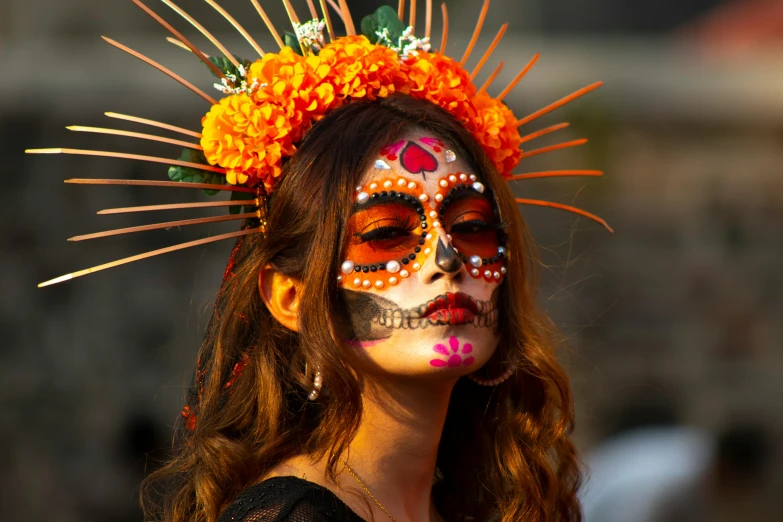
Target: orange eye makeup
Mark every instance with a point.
(395, 224)
(384, 231)
(468, 217)
(387, 234)
(471, 222)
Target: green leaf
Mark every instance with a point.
(384, 18)
(238, 196)
(225, 65)
(192, 175)
(291, 41)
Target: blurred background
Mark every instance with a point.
(675, 341)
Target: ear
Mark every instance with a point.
(280, 294)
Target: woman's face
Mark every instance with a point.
(423, 263)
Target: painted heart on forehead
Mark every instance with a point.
(416, 160)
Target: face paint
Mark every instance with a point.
(468, 216)
(390, 151)
(375, 318)
(405, 265)
(446, 258)
(364, 309)
(387, 234)
(416, 160)
(452, 356)
(434, 143)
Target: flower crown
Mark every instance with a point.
(270, 104)
(280, 96)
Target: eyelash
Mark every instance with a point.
(384, 232)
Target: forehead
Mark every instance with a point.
(420, 157)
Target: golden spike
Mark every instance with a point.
(146, 255)
(401, 10)
(162, 184)
(349, 27)
(543, 132)
(179, 44)
(179, 206)
(550, 148)
(476, 33)
(568, 208)
(519, 76)
(412, 22)
(328, 20)
(158, 226)
(336, 8)
(491, 78)
(153, 123)
(122, 155)
(115, 132)
(559, 103)
(490, 50)
(554, 174)
(268, 23)
(295, 24)
(236, 25)
(203, 31)
(445, 36)
(313, 12)
(162, 69)
(181, 38)
(291, 13)
(428, 20)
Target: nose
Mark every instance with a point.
(446, 259)
(445, 263)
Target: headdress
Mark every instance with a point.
(268, 105)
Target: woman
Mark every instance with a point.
(375, 351)
(424, 442)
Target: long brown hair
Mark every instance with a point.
(505, 453)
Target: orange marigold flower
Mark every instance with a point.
(246, 139)
(361, 69)
(250, 134)
(441, 80)
(494, 126)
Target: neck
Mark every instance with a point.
(396, 447)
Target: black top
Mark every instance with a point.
(288, 499)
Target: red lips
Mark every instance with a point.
(452, 308)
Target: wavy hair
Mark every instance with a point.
(505, 452)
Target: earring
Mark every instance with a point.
(497, 380)
(317, 384)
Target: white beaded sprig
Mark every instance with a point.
(243, 87)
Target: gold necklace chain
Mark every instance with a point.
(366, 490)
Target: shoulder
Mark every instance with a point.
(287, 499)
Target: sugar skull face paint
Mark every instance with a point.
(408, 273)
(453, 356)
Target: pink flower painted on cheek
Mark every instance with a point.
(452, 356)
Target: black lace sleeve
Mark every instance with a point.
(288, 499)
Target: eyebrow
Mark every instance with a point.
(408, 200)
(458, 194)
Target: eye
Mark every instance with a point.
(471, 221)
(387, 230)
(471, 225)
(383, 232)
